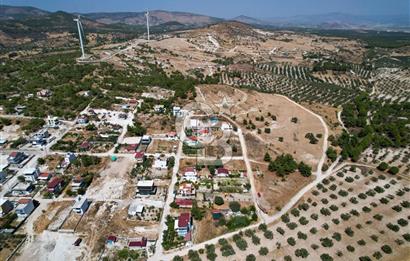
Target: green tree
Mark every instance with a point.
(219, 200)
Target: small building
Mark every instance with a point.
(183, 224)
(5, 207)
(138, 243)
(31, 174)
(184, 203)
(2, 176)
(16, 157)
(176, 111)
(190, 174)
(25, 207)
(135, 209)
(111, 240)
(146, 140)
(146, 187)
(77, 183)
(160, 164)
(81, 205)
(222, 172)
(44, 176)
(55, 185)
(83, 119)
(68, 159)
(186, 190)
(226, 126)
(52, 122)
(139, 157)
(159, 108)
(22, 189)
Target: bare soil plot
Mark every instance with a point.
(328, 113)
(161, 146)
(113, 181)
(50, 215)
(272, 115)
(206, 229)
(275, 191)
(156, 123)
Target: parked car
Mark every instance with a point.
(78, 242)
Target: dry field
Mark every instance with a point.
(276, 191)
(161, 146)
(206, 229)
(248, 105)
(114, 182)
(50, 215)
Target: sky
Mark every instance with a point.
(227, 8)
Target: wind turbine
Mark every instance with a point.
(147, 16)
(80, 34)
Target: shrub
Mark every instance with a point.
(263, 227)
(256, 240)
(303, 221)
(291, 241)
(337, 236)
(386, 249)
(301, 252)
(219, 201)
(402, 222)
(268, 234)
(280, 230)
(313, 230)
(295, 212)
(250, 257)
(326, 242)
(393, 227)
(285, 218)
(263, 251)
(287, 258)
(292, 225)
(314, 216)
(377, 255)
(383, 166)
(314, 246)
(325, 212)
(235, 206)
(350, 248)
(364, 258)
(349, 231)
(302, 235)
(361, 242)
(326, 257)
(241, 244)
(177, 258)
(406, 237)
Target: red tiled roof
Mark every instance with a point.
(24, 200)
(139, 243)
(54, 182)
(44, 175)
(184, 219)
(190, 169)
(112, 238)
(13, 154)
(183, 202)
(132, 147)
(222, 171)
(139, 155)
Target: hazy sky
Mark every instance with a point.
(226, 8)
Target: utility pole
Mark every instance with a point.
(147, 16)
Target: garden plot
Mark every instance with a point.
(114, 182)
(355, 214)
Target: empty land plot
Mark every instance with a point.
(282, 124)
(52, 212)
(161, 146)
(351, 215)
(113, 182)
(276, 191)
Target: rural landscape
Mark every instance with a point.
(163, 135)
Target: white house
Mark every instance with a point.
(31, 174)
(226, 126)
(25, 207)
(22, 189)
(176, 111)
(135, 209)
(81, 205)
(5, 207)
(190, 174)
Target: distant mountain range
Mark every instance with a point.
(334, 21)
(183, 20)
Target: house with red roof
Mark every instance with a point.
(44, 176)
(190, 174)
(139, 157)
(111, 240)
(77, 182)
(183, 224)
(138, 243)
(222, 172)
(55, 185)
(184, 203)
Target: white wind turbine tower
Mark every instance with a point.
(147, 16)
(80, 34)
